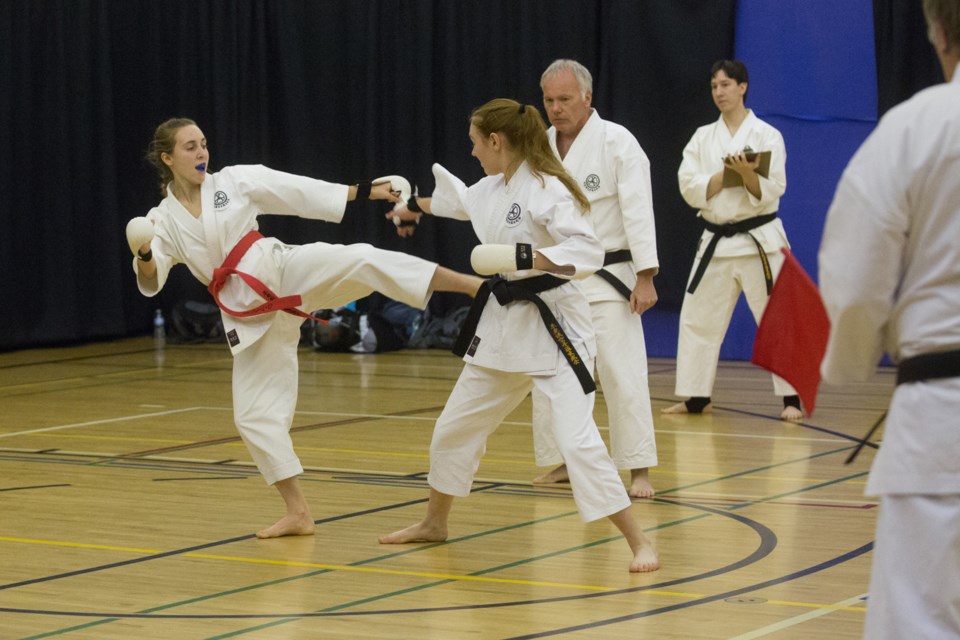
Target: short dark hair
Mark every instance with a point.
(733, 69)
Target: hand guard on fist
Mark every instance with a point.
(139, 232)
(490, 259)
(401, 184)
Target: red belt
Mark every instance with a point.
(287, 304)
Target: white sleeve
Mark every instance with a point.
(163, 256)
(447, 200)
(775, 184)
(576, 242)
(693, 178)
(277, 192)
(635, 196)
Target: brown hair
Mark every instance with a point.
(164, 140)
(523, 126)
(947, 13)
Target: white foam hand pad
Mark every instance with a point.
(397, 183)
(139, 233)
(401, 184)
(490, 259)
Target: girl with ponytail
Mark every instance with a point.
(529, 327)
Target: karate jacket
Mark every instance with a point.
(541, 212)
(703, 156)
(231, 200)
(614, 173)
(890, 280)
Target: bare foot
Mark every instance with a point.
(645, 560)
(640, 486)
(552, 477)
(791, 414)
(681, 407)
(420, 532)
(289, 525)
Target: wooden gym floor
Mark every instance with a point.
(128, 506)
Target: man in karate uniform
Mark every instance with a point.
(740, 247)
(614, 173)
(890, 280)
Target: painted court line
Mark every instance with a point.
(313, 565)
(845, 605)
(381, 416)
(712, 598)
(648, 587)
(138, 416)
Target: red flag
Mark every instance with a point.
(792, 336)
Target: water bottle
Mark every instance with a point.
(159, 330)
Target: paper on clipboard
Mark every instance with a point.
(733, 179)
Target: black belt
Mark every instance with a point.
(929, 366)
(615, 257)
(508, 291)
(727, 231)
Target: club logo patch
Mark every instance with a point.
(592, 183)
(514, 215)
(220, 200)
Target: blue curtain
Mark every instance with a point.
(812, 76)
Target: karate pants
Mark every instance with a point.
(915, 578)
(622, 370)
(265, 374)
(705, 317)
(480, 401)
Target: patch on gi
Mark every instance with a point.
(473, 346)
(592, 182)
(220, 200)
(513, 216)
(233, 338)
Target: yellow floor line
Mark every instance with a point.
(821, 609)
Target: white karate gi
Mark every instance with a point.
(515, 353)
(736, 265)
(890, 280)
(614, 173)
(326, 276)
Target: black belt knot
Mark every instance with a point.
(501, 290)
(728, 231)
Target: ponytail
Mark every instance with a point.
(523, 126)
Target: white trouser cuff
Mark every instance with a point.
(279, 472)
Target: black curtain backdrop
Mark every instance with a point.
(906, 62)
(334, 89)
(337, 90)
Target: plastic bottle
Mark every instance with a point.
(159, 330)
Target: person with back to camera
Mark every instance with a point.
(529, 216)
(890, 281)
(739, 250)
(208, 221)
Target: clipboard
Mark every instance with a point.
(732, 179)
